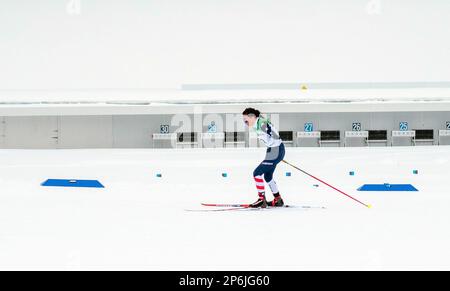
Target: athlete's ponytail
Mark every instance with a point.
(251, 111)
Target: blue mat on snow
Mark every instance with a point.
(387, 187)
(73, 183)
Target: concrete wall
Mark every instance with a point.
(135, 131)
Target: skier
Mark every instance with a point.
(274, 155)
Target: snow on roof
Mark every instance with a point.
(179, 96)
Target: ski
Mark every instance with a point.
(243, 206)
(226, 205)
(220, 207)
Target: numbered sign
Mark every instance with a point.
(309, 127)
(164, 128)
(447, 125)
(212, 128)
(403, 126)
(356, 126)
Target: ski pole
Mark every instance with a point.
(367, 205)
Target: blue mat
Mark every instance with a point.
(387, 187)
(73, 183)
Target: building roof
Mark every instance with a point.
(311, 98)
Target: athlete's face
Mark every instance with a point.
(249, 120)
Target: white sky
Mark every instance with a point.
(164, 43)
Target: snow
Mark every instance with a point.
(176, 96)
(139, 220)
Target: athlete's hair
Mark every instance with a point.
(251, 111)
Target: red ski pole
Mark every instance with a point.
(367, 205)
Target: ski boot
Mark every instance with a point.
(277, 201)
(260, 203)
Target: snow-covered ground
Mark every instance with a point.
(139, 221)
